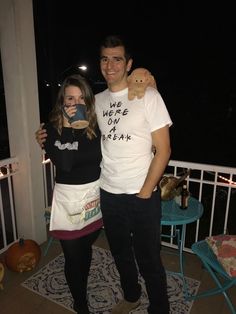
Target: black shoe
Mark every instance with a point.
(83, 309)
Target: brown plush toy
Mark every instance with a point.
(138, 81)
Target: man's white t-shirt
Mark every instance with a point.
(126, 141)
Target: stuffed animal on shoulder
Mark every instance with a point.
(138, 81)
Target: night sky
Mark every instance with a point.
(189, 48)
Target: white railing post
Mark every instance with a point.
(8, 168)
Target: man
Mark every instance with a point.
(130, 173)
(130, 202)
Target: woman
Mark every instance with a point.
(75, 218)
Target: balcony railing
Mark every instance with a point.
(214, 186)
(8, 229)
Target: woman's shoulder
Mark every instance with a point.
(97, 131)
(48, 126)
(50, 129)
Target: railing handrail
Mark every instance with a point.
(8, 161)
(215, 168)
(200, 176)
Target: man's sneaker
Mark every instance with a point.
(124, 307)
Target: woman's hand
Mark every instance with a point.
(40, 135)
(70, 110)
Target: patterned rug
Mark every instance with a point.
(103, 288)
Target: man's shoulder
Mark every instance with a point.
(152, 95)
(101, 94)
(152, 91)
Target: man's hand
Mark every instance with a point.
(40, 135)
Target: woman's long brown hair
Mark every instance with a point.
(56, 115)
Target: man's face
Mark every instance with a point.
(114, 67)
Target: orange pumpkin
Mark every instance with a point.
(23, 255)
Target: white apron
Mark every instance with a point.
(75, 206)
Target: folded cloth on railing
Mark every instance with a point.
(224, 247)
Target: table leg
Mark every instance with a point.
(181, 260)
(180, 237)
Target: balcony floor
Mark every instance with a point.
(16, 299)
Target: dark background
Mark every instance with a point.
(188, 47)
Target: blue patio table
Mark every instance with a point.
(173, 215)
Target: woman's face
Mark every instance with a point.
(73, 95)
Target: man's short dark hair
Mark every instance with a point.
(113, 41)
